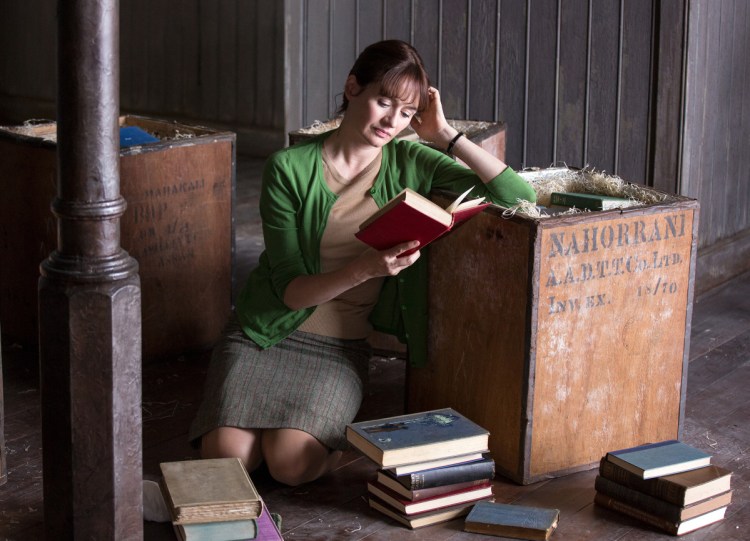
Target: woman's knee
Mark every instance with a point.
(294, 457)
(232, 442)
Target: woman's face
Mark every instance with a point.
(376, 117)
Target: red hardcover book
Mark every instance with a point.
(410, 216)
(409, 507)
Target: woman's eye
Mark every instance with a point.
(384, 103)
(406, 114)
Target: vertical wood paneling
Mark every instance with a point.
(343, 48)
(635, 91)
(369, 23)
(227, 61)
(453, 89)
(603, 73)
(511, 76)
(317, 95)
(397, 17)
(716, 117)
(571, 103)
(483, 47)
(542, 71)
(426, 35)
(249, 103)
(668, 91)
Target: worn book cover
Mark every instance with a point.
(516, 521)
(209, 490)
(420, 520)
(423, 493)
(417, 437)
(410, 216)
(589, 201)
(408, 507)
(432, 464)
(680, 488)
(267, 528)
(674, 528)
(229, 530)
(669, 511)
(658, 459)
(484, 468)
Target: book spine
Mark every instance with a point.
(615, 505)
(567, 200)
(449, 475)
(639, 500)
(658, 487)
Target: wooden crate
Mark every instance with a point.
(565, 336)
(489, 135)
(177, 225)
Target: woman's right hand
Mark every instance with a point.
(387, 262)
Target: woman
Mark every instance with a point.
(289, 373)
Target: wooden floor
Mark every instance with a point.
(335, 507)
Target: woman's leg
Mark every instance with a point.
(231, 442)
(295, 457)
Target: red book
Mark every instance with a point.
(408, 507)
(411, 216)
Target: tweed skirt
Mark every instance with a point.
(309, 382)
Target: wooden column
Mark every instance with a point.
(89, 300)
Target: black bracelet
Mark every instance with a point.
(453, 142)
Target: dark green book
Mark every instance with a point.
(516, 521)
(588, 201)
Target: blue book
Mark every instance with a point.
(516, 521)
(229, 530)
(133, 136)
(659, 459)
(417, 437)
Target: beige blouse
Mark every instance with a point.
(346, 315)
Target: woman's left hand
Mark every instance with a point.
(431, 124)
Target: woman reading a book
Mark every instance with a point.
(289, 373)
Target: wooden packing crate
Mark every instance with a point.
(489, 135)
(178, 225)
(565, 336)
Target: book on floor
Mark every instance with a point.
(674, 528)
(228, 530)
(660, 459)
(681, 488)
(268, 530)
(589, 201)
(417, 437)
(667, 510)
(509, 520)
(409, 507)
(423, 493)
(483, 468)
(411, 216)
(209, 490)
(439, 463)
(420, 520)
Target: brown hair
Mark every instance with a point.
(395, 65)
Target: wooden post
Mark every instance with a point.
(89, 300)
(3, 463)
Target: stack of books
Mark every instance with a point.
(215, 500)
(669, 485)
(433, 466)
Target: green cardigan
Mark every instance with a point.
(294, 206)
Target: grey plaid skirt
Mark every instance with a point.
(307, 381)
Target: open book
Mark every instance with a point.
(411, 216)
